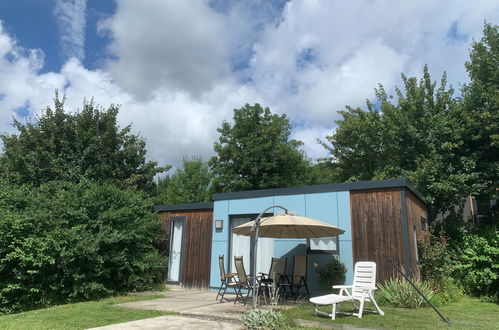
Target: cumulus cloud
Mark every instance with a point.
(179, 68)
(70, 15)
(173, 123)
(22, 87)
(180, 45)
(326, 54)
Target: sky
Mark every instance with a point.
(179, 68)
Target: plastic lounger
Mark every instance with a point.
(364, 284)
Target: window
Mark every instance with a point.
(323, 245)
(415, 234)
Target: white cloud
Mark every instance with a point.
(21, 85)
(70, 15)
(324, 55)
(180, 45)
(180, 68)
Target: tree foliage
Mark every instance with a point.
(399, 137)
(64, 242)
(446, 145)
(60, 145)
(479, 113)
(189, 184)
(255, 152)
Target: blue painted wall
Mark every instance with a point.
(330, 207)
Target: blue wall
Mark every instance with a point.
(330, 207)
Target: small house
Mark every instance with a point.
(382, 222)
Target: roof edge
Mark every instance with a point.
(346, 186)
(183, 207)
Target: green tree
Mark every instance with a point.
(60, 145)
(448, 146)
(414, 136)
(64, 242)
(323, 171)
(189, 184)
(479, 114)
(255, 152)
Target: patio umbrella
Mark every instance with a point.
(289, 226)
(284, 226)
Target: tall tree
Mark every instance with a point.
(60, 145)
(447, 146)
(189, 184)
(255, 152)
(393, 139)
(479, 113)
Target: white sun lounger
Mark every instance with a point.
(364, 284)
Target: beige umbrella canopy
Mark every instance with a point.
(289, 226)
(283, 226)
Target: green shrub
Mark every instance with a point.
(65, 242)
(332, 274)
(435, 257)
(264, 319)
(446, 291)
(399, 293)
(437, 264)
(477, 269)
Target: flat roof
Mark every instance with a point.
(347, 186)
(183, 207)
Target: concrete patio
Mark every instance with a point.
(194, 308)
(194, 303)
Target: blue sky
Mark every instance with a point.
(179, 68)
(35, 25)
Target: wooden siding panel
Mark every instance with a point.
(196, 247)
(416, 210)
(377, 228)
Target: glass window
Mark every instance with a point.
(415, 234)
(323, 245)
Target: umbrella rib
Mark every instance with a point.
(311, 232)
(323, 230)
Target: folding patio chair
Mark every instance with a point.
(243, 281)
(277, 269)
(364, 283)
(226, 279)
(299, 277)
(276, 272)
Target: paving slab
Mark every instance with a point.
(172, 322)
(194, 303)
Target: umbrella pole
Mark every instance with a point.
(255, 257)
(256, 228)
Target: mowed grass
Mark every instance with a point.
(469, 313)
(79, 315)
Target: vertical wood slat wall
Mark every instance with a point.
(196, 246)
(377, 228)
(416, 210)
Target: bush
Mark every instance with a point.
(435, 257)
(332, 274)
(446, 291)
(477, 269)
(65, 242)
(268, 319)
(399, 293)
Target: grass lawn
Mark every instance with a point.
(469, 313)
(80, 315)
